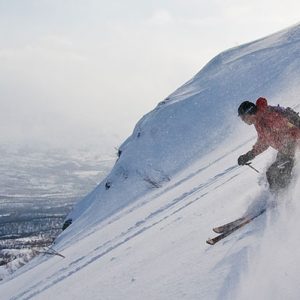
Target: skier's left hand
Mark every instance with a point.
(243, 159)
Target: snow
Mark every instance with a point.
(176, 178)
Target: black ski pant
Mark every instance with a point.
(280, 172)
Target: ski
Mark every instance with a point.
(232, 227)
(228, 226)
(223, 235)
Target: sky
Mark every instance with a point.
(75, 72)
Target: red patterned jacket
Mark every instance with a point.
(274, 130)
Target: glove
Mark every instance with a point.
(243, 159)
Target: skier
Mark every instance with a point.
(274, 129)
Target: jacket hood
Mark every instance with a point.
(261, 104)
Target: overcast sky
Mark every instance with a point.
(73, 69)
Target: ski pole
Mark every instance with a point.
(249, 165)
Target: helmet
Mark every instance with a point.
(247, 107)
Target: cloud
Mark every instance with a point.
(161, 17)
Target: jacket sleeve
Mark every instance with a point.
(259, 147)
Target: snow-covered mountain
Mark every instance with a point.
(141, 233)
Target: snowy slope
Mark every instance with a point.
(176, 178)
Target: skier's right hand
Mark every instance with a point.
(243, 159)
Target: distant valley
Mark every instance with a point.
(37, 190)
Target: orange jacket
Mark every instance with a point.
(274, 130)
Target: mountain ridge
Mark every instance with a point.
(142, 231)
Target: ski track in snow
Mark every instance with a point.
(169, 188)
(174, 207)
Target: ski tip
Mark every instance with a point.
(210, 242)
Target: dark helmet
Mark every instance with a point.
(247, 107)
